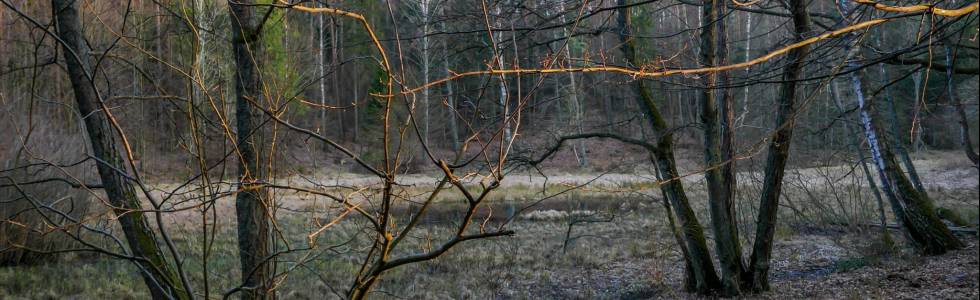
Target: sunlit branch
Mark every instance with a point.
(652, 71)
(930, 9)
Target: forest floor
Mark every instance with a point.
(610, 240)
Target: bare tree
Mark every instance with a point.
(778, 152)
(718, 147)
(702, 276)
(253, 202)
(160, 275)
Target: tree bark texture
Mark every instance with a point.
(718, 147)
(778, 152)
(158, 274)
(252, 202)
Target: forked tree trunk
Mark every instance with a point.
(702, 276)
(158, 274)
(913, 208)
(718, 147)
(778, 152)
(252, 202)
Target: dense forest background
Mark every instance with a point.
(213, 148)
(328, 60)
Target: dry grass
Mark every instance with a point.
(630, 256)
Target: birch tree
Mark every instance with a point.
(913, 208)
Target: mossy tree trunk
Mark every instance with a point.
(701, 272)
(158, 274)
(718, 146)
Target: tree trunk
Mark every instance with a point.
(778, 152)
(252, 202)
(748, 53)
(335, 56)
(158, 274)
(502, 100)
(203, 70)
(321, 69)
(689, 284)
(702, 274)
(718, 147)
(573, 97)
(918, 91)
(868, 175)
(450, 98)
(965, 141)
(424, 10)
